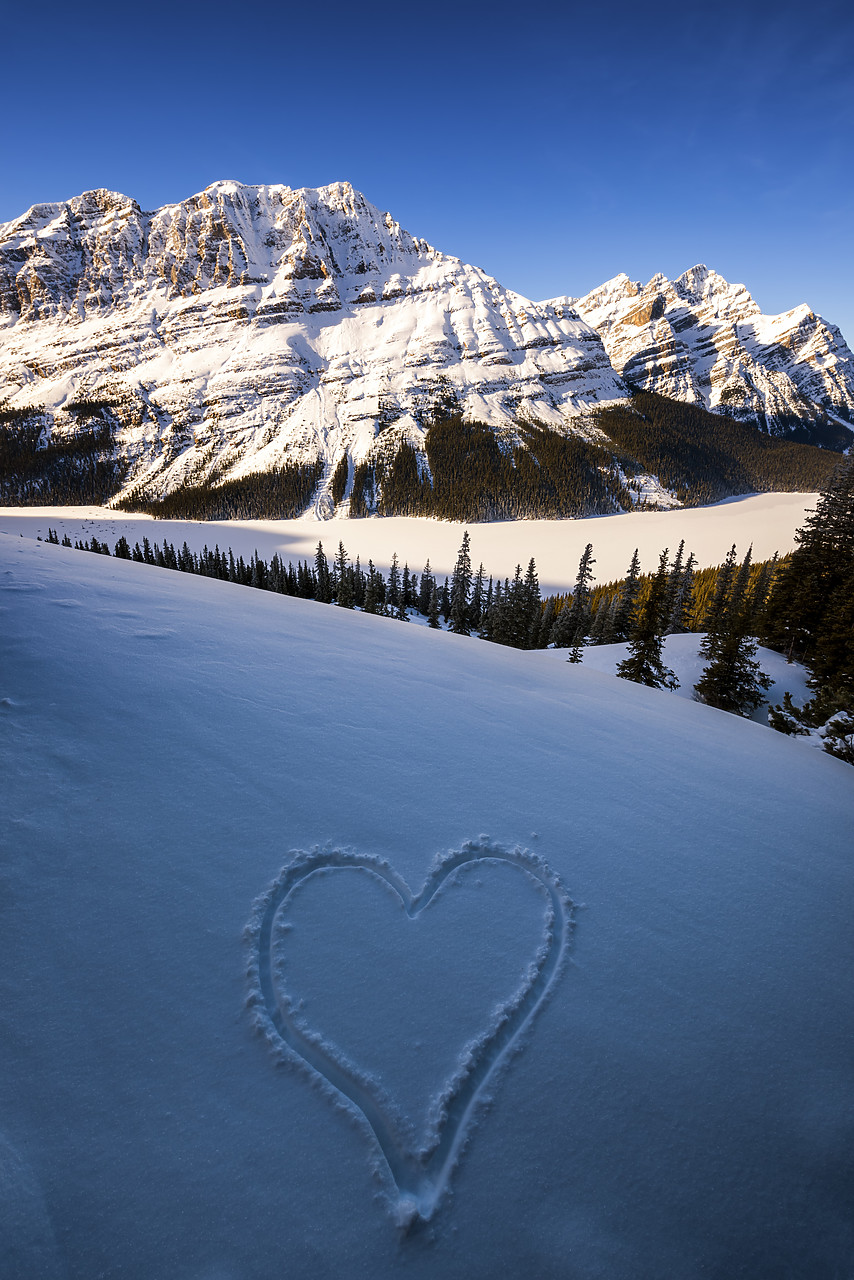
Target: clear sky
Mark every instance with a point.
(554, 144)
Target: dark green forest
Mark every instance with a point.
(43, 468)
(704, 457)
(269, 495)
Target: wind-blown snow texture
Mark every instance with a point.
(701, 339)
(683, 1105)
(254, 325)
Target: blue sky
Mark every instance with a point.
(554, 144)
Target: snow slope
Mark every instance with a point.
(682, 656)
(678, 1103)
(701, 339)
(766, 521)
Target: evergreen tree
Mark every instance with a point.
(393, 590)
(425, 590)
(408, 591)
(461, 590)
(732, 680)
(344, 584)
(644, 663)
(323, 591)
(532, 606)
(573, 623)
(546, 623)
(445, 602)
(433, 608)
(624, 611)
(821, 563)
(477, 600)
(371, 590)
(716, 611)
(597, 626)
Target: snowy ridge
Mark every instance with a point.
(251, 326)
(701, 339)
(419, 1176)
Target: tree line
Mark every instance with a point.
(640, 610)
(467, 471)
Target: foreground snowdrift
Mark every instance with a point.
(682, 1101)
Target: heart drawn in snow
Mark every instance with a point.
(419, 1173)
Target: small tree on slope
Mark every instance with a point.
(644, 663)
(732, 680)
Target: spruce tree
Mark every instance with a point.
(532, 606)
(644, 663)
(393, 591)
(573, 622)
(428, 582)
(546, 623)
(344, 585)
(732, 679)
(445, 602)
(323, 590)
(371, 590)
(433, 608)
(461, 590)
(477, 600)
(624, 609)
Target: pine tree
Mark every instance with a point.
(461, 590)
(445, 602)
(626, 600)
(546, 624)
(718, 604)
(428, 582)
(393, 591)
(644, 663)
(732, 680)
(573, 622)
(597, 627)
(433, 608)
(323, 591)
(371, 590)
(823, 560)
(532, 605)
(344, 585)
(477, 600)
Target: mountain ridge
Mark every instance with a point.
(700, 339)
(264, 330)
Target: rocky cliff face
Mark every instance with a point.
(703, 340)
(251, 326)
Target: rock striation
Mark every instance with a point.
(703, 340)
(250, 327)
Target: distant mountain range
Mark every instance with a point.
(257, 331)
(705, 341)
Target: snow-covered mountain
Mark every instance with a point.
(250, 326)
(703, 340)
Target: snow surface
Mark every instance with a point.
(682, 1105)
(682, 656)
(767, 521)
